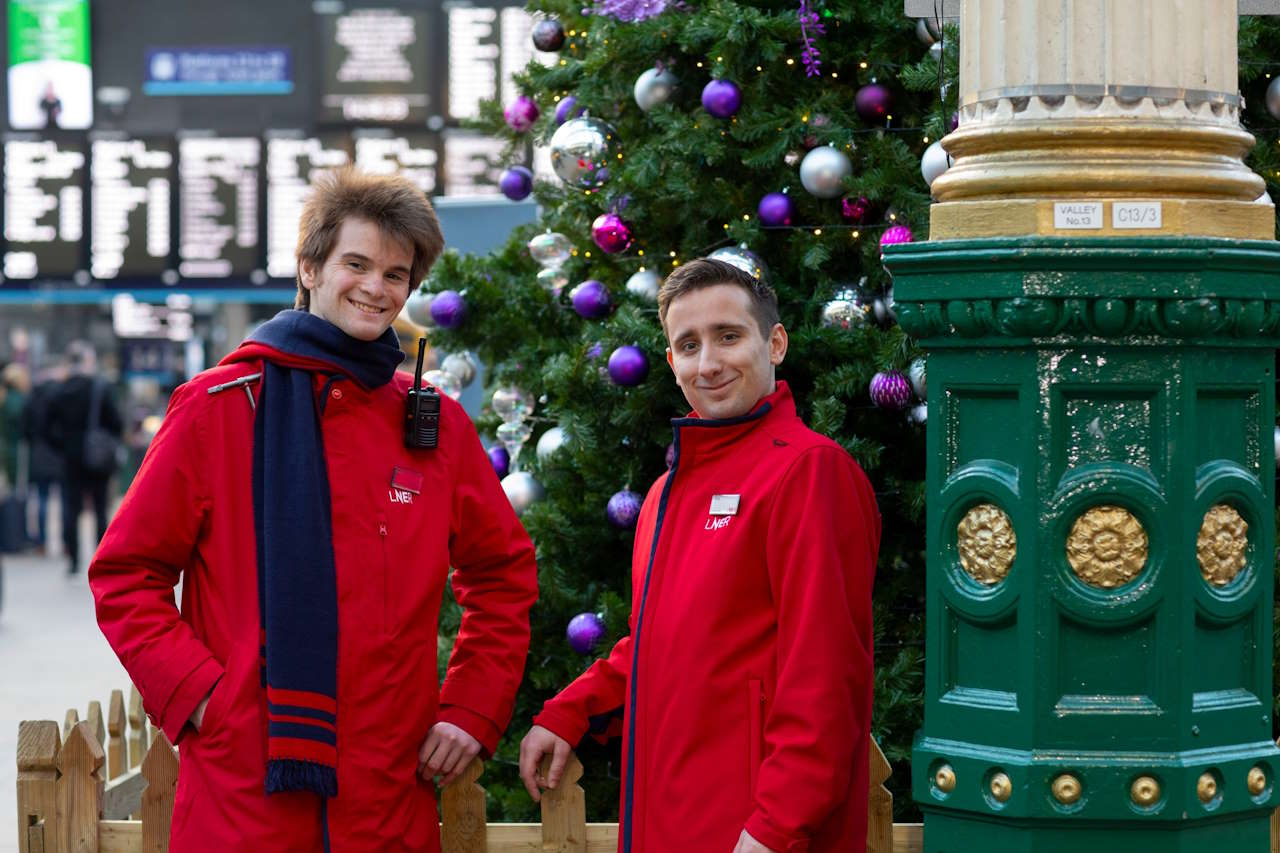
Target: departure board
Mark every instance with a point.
(487, 47)
(218, 211)
(472, 164)
(410, 154)
(43, 207)
(293, 161)
(374, 66)
(130, 196)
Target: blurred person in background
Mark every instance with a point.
(15, 385)
(79, 414)
(45, 468)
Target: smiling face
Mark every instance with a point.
(722, 362)
(363, 284)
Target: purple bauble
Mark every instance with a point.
(671, 454)
(628, 365)
(584, 631)
(624, 508)
(500, 459)
(548, 35)
(873, 103)
(855, 210)
(776, 209)
(516, 183)
(448, 309)
(721, 98)
(891, 235)
(590, 299)
(890, 389)
(953, 122)
(611, 233)
(521, 113)
(595, 351)
(567, 109)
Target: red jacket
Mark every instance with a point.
(746, 680)
(189, 515)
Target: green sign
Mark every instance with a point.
(50, 78)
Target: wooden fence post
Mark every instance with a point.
(117, 749)
(462, 813)
(137, 728)
(38, 744)
(69, 723)
(79, 791)
(879, 804)
(160, 769)
(564, 810)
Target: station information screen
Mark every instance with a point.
(487, 46)
(43, 207)
(130, 195)
(410, 154)
(374, 66)
(218, 211)
(293, 161)
(472, 164)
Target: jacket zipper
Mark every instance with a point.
(386, 578)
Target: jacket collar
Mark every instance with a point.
(705, 435)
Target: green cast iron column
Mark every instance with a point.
(1100, 542)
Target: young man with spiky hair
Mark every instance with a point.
(299, 679)
(744, 688)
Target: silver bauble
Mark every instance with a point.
(845, 311)
(550, 249)
(884, 308)
(583, 150)
(1273, 97)
(553, 279)
(935, 51)
(744, 259)
(823, 170)
(654, 87)
(418, 308)
(927, 31)
(511, 404)
(916, 374)
(934, 162)
(549, 442)
(445, 382)
(918, 414)
(462, 365)
(522, 490)
(645, 284)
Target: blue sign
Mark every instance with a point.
(219, 71)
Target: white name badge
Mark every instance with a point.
(724, 504)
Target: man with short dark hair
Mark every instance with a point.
(314, 547)
(745, 685)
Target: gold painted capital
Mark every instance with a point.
(1001, 787)
(1206, 787)
(1221, 545)
(1145, 791)
(987, 543)
(1067, 789)
(1107, 547)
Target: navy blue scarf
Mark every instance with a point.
(297, 587)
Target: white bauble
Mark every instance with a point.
(934, 162)
(549, 442)
(645, 284)
(654, 87)
(823, 170)
(462, 365)
(418, 308)
(522, 490)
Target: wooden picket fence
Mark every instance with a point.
(107, 786)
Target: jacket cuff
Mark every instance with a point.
(478, 726)
(188, 694)
(764, 831)
(562, 725)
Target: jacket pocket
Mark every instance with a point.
(215, 712)
(755, 732)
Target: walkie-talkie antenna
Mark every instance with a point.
(417, 381)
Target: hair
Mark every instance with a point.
(391, 202)
(81, 355)
(708, 272)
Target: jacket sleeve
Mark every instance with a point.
(147, 546)
(821, 553)
(495, 580)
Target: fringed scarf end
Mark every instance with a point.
(292, 775)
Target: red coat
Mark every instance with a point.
(747, 675)
(189, 514)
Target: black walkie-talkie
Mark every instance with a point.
(421, 410)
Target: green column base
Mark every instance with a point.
(947, 834)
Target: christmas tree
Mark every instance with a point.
(792, 137)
